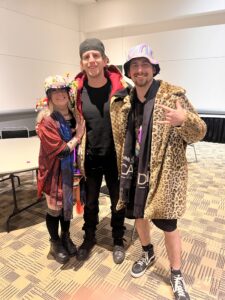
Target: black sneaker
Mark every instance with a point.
(178, 286)
(118, 254)
(85, 249)
(118, 250)
(141, 265)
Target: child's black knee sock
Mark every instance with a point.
(52, 224)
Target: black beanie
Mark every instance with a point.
(92, 44)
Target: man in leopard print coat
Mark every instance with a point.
(161, 122)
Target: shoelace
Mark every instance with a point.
(144, 259)
(179, 285)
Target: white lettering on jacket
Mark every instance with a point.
(125, 170)
(142, 179)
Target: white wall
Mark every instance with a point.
(193, 58)
(187, 38)
(41, 37)
(38, 38)
(121, 14)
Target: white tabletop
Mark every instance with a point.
(18, 155)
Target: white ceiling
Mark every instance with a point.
(83, 2)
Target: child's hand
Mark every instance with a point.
(80, 127)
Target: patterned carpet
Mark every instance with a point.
(27, 272)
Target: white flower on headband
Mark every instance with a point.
(55, 82)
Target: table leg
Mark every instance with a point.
(15, 209)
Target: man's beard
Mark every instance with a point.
(142, 82)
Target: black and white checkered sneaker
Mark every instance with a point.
(178, 286)
(141, 265)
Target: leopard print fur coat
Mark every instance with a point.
(168, 164)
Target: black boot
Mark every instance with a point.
(58, 251)
(85, 248)
(68, 244)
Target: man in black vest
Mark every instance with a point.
(96, 85)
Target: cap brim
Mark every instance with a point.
(154, 62)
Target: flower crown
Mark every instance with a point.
(41, 103)
(57, 82)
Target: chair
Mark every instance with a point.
(193, 147)
(133, 232)
(13, 132)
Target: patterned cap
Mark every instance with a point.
(142, 50)
(55, 82)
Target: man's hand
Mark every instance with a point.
(174, 117)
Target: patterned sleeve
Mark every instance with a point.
(50, 138)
